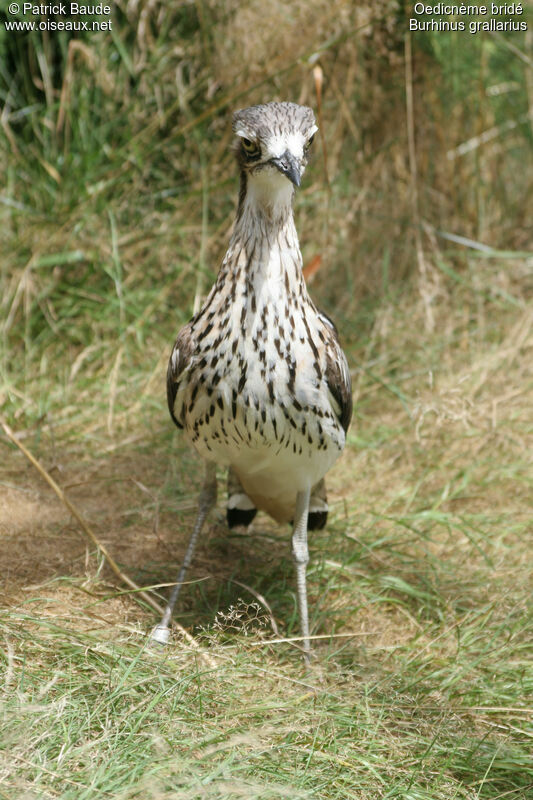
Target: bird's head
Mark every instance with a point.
(272, 147)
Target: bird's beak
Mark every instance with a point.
(288, 166)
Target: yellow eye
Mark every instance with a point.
(250, 148)
(309, 142)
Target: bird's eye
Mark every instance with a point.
(250, 148)
(309, 142)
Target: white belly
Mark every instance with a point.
(273, 457)
(272, 480)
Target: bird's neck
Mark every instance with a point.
(264, 252)
(265, 196)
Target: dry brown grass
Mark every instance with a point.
(419, 587)
(461, 443)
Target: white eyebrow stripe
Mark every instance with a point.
(293, 142)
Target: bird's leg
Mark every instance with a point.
(206, 501)
(301, 557)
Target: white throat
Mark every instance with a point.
(269, 194)
(264, 248)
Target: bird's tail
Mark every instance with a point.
(240, 509)
(318, 507)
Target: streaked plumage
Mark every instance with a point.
(257, 379)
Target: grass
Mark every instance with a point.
(118, 184)
(420, 592)
(428, 717)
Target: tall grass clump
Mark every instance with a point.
(119, 180)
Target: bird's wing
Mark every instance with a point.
(340, 386)
(338, 375)
(178, 366)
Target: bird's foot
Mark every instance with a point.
(160, 634)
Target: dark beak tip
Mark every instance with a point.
(289, 167)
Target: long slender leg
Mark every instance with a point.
(301, 557)
(206, 501)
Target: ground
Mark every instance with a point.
(422, 681)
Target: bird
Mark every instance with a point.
(257, 379)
